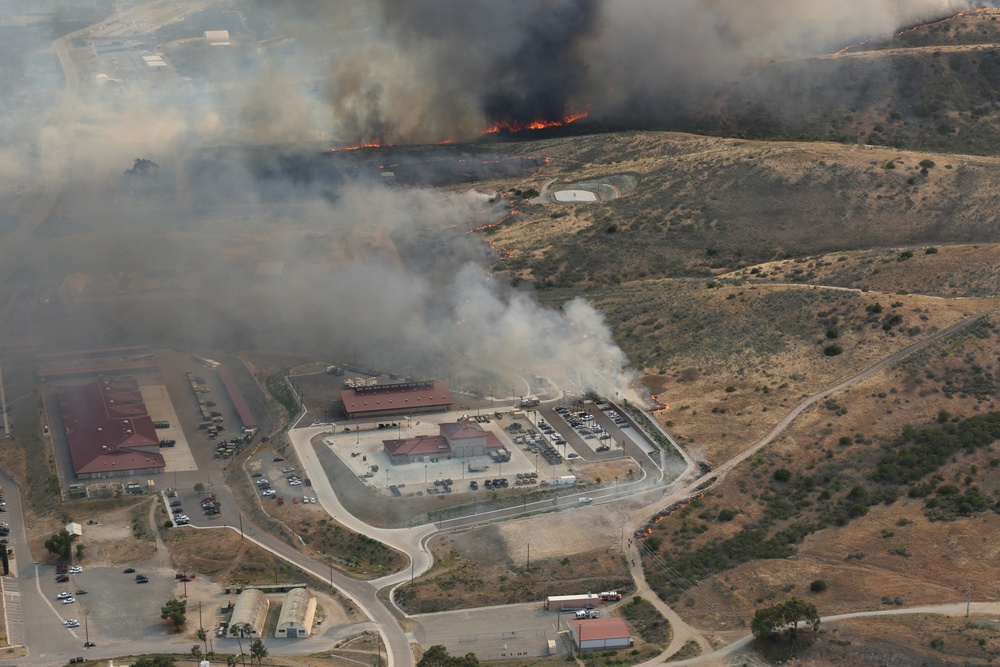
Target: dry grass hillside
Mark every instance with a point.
(705, 206)
(819, 495)
(933, 88)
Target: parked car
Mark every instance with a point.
(128, 570)
(175, 503)
(62, 578)
(71, 623)
(64, 595)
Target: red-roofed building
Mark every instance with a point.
(600, 633)
(236, 396)
(109, 431)
(455, 440)
(398, 399)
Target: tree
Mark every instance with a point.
(154, 661)
(237, 630)
(199, 488)
(196, 652)
(203, 637)
(818, 586)
(232, 660)
(258, 651)
(5, 560)
(770, 621)
(175, 611)
(60, 544)
(437, 656)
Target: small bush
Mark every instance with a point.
(782, 474)
(927, 164)
(930, 251)
(832, 350)
(818, 586)
(727, 515)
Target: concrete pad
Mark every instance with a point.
(160, 407)
(574, 196)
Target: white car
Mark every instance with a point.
(69, 601)
(294, 483)
(76, 569)
(71, 623)
(64, 595)
(312, 500)
(586, 500)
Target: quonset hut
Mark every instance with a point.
(298, 612)
(249, 613)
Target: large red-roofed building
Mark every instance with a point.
(397, 399)
(108, 429)
(454, 440)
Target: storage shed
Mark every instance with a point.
(600, 633)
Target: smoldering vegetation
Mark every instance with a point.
(273, 173)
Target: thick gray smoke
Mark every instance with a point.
(435, 69)
(385, 274)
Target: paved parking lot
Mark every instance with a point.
(117, 609)
(361, 448)
(492, 633)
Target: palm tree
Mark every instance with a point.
(203, 636)
(237, 630)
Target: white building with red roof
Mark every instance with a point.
(108, 429)
(463, 439)
(600, 633)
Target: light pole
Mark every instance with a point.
(621, 524)
(425, 473)
(616, 485)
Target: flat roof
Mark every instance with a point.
(599, 628)
(236, 396)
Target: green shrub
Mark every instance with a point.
(832, 350)
(818, 586)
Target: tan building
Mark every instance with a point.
(249, 614)
(298, 613)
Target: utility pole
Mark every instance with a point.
(529, 556)
(621, 524)
(86, 631)
(968, 599)
(200, 623)
(241, 526)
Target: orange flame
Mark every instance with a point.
(514, 126)
(912, 29)
(357, 147)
